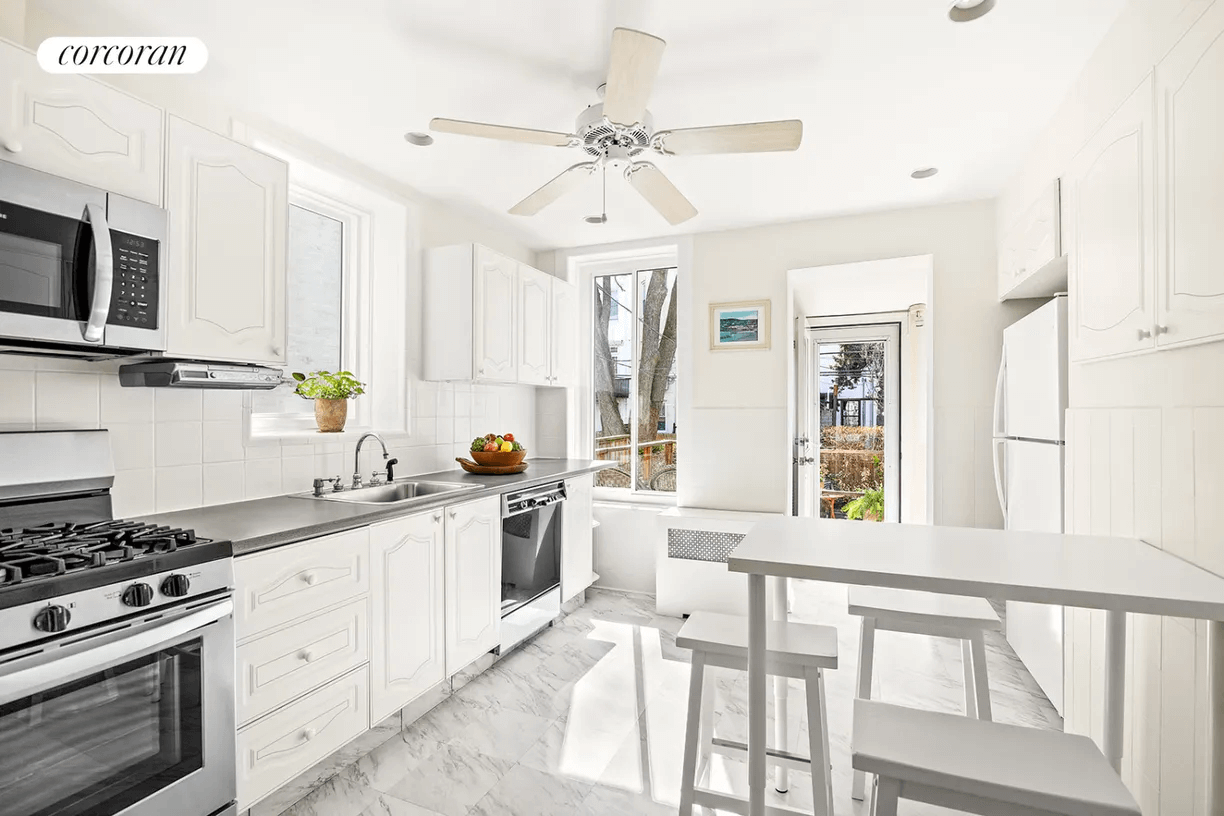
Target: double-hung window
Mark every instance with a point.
(634, 371)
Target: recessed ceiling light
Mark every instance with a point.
(924, 172)
(966, 11)
(416, 137)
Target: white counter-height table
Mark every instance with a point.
(1118, 575)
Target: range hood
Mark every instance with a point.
(187, 374)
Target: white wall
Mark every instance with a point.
(1145, 458)
(12, 19)
(186, 448)
(738, 453)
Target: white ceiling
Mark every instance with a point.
(882, 87)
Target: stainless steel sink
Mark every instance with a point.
(395, 493)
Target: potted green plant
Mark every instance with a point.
(868, 506)
(331, 393)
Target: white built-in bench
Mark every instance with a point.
(976, 766)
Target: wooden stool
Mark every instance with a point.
(982, 767)
(792, 650)
(925, 613)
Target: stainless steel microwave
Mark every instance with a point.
(81, 269)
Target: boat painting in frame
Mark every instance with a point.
(739, 326)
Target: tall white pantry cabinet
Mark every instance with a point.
(489, 318)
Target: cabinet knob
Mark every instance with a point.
(309, 734)
(1144, 334)
(1162, 329)
(437, 517)
(310, 578)
(307, 655)
(11, 145)
(453, 513)
(277, 350)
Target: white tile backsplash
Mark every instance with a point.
(132, 493)
(128, 405)
(224, 482)
(66, 400)
(263, 478)
(177, 488)
(17, 407)
(222, 441)
(132, 445)
(177, 405)
(177, 443)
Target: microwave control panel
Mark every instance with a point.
(134, 291)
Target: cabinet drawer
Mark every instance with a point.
(282, 745)
(275, 668)
(291, 582)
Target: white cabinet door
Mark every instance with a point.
(577, 542)
(406, 590)
(1113, 244)
(495, 292)
(473, 581)
(228, 211)
(534, 326)
(565, 343)
(76, 127)
(1032, 243)
(1190, 120)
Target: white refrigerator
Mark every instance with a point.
(1029, 411)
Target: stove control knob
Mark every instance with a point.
(175, 586)
(138, 595)
(52, 619)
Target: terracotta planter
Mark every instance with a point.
(331, 415)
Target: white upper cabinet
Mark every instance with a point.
(1031, 262)
(489, 318)
(1112, 226)
(407, 655)
(534, 326)
(473, 581)
(578, 541)
(565, 342)
(1190, 126)
(75, 127)
(228, 211)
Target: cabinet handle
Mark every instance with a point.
(310, 578)
(1162, 329)
(12, 146)
(277, 350)
(1144, 334)
(309, 734)
(453, 513)
(307, 656)
(437, 517)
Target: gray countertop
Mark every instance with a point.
(264, 523)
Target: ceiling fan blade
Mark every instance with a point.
(503, 133)
(754, 137)
(631, 74)
(660, 193)
(567, 182)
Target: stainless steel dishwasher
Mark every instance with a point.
(531, 561)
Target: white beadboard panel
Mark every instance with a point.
(1080, 512)
(1178, 488)
(223, 440)
(1148, 477)
(262, 478)
(177, 405)
(132, 445)
(1208, 486)
(1099, 474)
(1122, 474)
(66, 400)
(1145, 710)
(1096, 705)
(178, 488)
(1177, 717)
(127, 405)
(177, 443)
(17, 407)
(133, 493)
(224, 482)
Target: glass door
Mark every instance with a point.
(855, 394)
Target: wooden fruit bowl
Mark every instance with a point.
(498, 458)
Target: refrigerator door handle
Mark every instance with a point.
(1000, 384)
(999, 444)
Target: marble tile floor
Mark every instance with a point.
(588, 720)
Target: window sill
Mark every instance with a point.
(292, 436)
(634, 500)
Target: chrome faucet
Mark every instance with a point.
(357, 456)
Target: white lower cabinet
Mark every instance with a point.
(277, 748)
(578, 541)
(406, 590)
(473, 581)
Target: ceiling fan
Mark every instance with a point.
(618, 130)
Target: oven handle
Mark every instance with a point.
(24, 682)
(104, 273)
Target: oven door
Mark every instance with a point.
(138, 721)
(56, 258)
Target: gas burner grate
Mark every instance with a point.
(64, 547)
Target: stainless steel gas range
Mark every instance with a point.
(116, 646)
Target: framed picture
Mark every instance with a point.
(743, 325)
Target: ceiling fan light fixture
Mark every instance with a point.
(924, 172)
(966, 11)
(416, 137)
